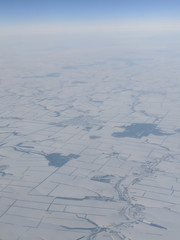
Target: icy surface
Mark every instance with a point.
(90, 138)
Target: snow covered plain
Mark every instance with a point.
(89, 137)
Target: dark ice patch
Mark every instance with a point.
(58, 114)
(59, 124)
(95, 101)
(17, 134)
(49, 75)
(98, 198)
(138, 130)
(79, 82)
(94, 137)
(2, 144)
(87, 128)
(83, 120)
(2, 170)
(100, 127)
(58, 160)
(53, 75)
(157, 226)
(105, 178)
(5, 126)
(23, 146)
(11, 118)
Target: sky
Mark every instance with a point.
(81, 12)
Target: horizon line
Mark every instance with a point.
(66, 28)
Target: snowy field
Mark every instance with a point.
(90, 137)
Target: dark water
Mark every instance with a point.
(138, 130)
(58, 160)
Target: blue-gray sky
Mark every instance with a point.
(54, 12)
(12, 11)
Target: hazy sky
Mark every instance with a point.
(55, 12)
(87, 10)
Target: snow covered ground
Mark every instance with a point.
(89, 137)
